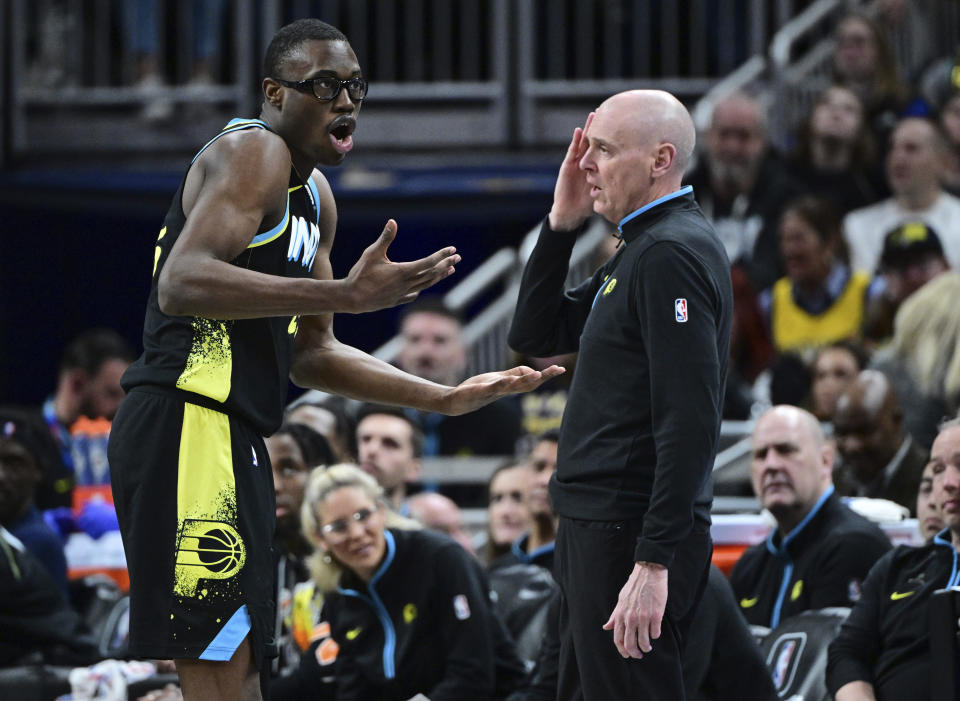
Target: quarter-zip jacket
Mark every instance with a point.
(424, 623)
(886, 639)
(821, 562)
(652, 328)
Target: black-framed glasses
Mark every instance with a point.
(340, 529)
(327, 87)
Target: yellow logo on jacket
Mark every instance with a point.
(749, 603)
(353, 633)
(409, 613)
(610, 285)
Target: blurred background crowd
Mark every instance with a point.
(828, 161)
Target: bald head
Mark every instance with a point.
(870, 390)
(791, 464)
(656, 116)
(439, 513)
(868, 425)
(736, 142)
(797, 419)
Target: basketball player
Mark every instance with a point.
(242, 297)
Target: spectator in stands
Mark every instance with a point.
(508, 514)
(742, 188)
(433, 349)
(440, 513)
(929, 520)
(879, 459)
(915, 166)
(34, 615)
(833, 368)
(751, 351)
(949, 119)
(923, 358)
(835, 157)
(409, 609)
(820, 300)
(78, 414)
(536, 545)
(142, 34)
(294, 450)
(20, 474)
(883, 649)
(389, 447)
(912, 256)
(328, 417)
(820, 551)
(863, 62)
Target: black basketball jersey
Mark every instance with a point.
(240, 364)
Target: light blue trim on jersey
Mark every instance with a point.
(389, 632)
(784, 554)
(226, 642)
(315, 194)
(633, 215)
(232, 126)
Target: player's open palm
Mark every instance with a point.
(480, 390)
(377, 282)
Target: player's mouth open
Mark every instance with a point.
(341, 133)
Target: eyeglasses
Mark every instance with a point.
(326, 88)
(338, 530)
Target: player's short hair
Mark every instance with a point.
(289, 38)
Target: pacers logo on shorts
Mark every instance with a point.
(206, 550)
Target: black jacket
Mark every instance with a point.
(424, 624)
(822, 562)
(886, 639)
(518, 555)
(652, 328)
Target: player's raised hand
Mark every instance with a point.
(480, 390)
(377, 282)
(572, 203)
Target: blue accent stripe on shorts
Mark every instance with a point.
(222, 647)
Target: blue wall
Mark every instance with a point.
(77, 248)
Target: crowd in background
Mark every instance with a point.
(842, 255)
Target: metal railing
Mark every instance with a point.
(444, 73)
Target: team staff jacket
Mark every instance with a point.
(652, 328)
(822, 562)
(886, 639)
(542, 556)
(423, 624)
(241, 365)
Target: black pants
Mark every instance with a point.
(593, 560)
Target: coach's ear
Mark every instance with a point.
(273, 92)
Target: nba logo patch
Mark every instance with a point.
(784, 659)
(680, 307)
(461, 608)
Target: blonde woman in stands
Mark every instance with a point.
(923, 359)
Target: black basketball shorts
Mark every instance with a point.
(194, 494)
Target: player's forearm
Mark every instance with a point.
(341, 369)
(856, 691)
(214, 289)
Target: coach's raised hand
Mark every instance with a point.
(376, 282)
(572, 203)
